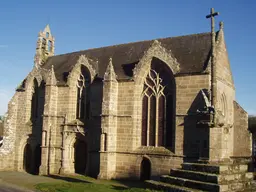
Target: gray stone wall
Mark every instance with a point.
(242, 135)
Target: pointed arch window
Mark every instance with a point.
(157, 109)
(34, 102)
(37, 102)
(223, 104)
(83, 95)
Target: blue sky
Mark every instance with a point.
(79, 25)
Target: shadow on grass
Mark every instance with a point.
(132, 184)
(69, 179)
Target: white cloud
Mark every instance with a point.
(5, 97)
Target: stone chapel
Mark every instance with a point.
(137, 110)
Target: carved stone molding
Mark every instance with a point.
(36, 73)
(158, 51)
(110, 74)
(83, 60)
(51, 78)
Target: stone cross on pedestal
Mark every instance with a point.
(213, 92)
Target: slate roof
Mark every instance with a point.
(191, 51)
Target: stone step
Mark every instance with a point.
(215, 169)
(210, 177)
(240, 186)
(193, 183)
(251, 188)
(169, 187)
(193, 175)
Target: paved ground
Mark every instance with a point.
(20, 182)
(4, 187)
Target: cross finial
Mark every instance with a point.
(212, 15)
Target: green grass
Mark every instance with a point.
(85, 187)
(86, 184)
(69, 183)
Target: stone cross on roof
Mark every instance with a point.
(213, 92)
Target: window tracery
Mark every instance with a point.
(83, 94)
(157, 109)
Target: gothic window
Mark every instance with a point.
(83, 95)
(47, 34)
(158, 109)
(37, 103)
(34, 103)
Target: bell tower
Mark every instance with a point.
(44, 46)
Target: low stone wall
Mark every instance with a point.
(242, 136)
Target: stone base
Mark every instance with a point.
(106, 175)
(67, 170)
(208, 177)
(43, 170)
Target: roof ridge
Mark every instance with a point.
(90, 49)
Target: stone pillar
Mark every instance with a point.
(219, 134)
(109, 124)
(65, 161)
(215, 144)
(49, 124)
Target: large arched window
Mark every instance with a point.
(83, 94)
(38, 99)
(158, 106)
(35, 100)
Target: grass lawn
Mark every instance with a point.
(69, 183)
(87, 184)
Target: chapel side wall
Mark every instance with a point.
(8, 149)
(124, 119)
(129, 164)
(94, 129)
(225, 97)
(26, 132)
(23, 128)
(62, 110)
(187, 89)
(93, 125)
(190, 140)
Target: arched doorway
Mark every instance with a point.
(80, 156)
(145, 169)
(27, 157)
(37, 159)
